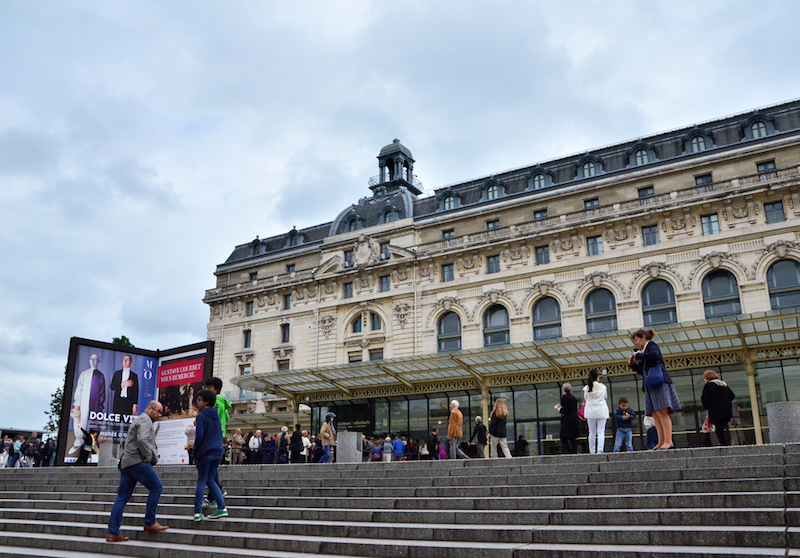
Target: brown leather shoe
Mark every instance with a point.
(155, 527)
(116, 538)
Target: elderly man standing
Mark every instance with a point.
(454, 431)
(236, 447)
(136, 465)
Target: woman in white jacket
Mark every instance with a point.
(596, 412)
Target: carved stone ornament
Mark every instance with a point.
(516, 256)
(327, 323)
(399, 275)
(367, 250)
(679, 225)
(597, 279)
(658, 269)
(618, 237)
(732, 214)
(401, 312)
(571, 245)
(493, 296)
(715, 260)
(794, 204)
(781, 249)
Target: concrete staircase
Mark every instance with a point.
(738, 501)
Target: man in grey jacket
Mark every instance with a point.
(135, 466)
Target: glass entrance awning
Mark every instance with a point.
(714, 342)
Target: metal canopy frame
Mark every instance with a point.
(741, 339)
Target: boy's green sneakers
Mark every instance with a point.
(198, 517)
(218, 513)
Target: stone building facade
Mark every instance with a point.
(683, 227)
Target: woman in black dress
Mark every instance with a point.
(570, 423)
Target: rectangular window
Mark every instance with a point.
(376, 354)
(650, 235)
(766, 170)
(447, 273)
(284, 333)
(254, 276)
(703, 179)
(283, 365)
(774, 212)
(645, 192)
(492, 264)
(385, 283)
(492, 225)
(593, 203)
(244, 370)
(448, 234)
(540, 215)
(384, 250)
(247, 338)
(287, 302)
(594, 245)
(348, 258)
(348, 290)
(710, 224)
(290, 268)
(248, 308)
(355, 357)
(542, 255)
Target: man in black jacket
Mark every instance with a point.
(433, 444)
(479, 432)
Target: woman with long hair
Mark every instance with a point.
(718, 399)
(596, 411)
(570, 423)
(497, 428)
(662, 400)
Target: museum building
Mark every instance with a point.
(512, 284)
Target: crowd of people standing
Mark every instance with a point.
(28, 452)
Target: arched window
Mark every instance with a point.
(492, 192)
(449, 333)
(759, 130)
(538, 182)
(698, 144)
(495, 326)
(353, 225)
(783, 281)
(642, 157)
(658, 303)
(546, 319)
(375, 321)
(721, 294)
(356, 325)
(388, 216)
(601, 311)
(449, 203)
(589, 169)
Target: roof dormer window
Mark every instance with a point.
(698, 144)
(642, 157)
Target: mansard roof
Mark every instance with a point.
(665, 147)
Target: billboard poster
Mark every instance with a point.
(180, 379)
(108, 386)
(108, 390)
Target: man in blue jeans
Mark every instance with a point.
(624, 419)
(208, 455)
(136, 465)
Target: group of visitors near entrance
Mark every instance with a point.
(28, 452)
(206, 448)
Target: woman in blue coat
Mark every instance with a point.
(659, 401)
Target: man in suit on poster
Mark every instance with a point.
(125, 385)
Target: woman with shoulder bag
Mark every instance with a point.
(661, 399)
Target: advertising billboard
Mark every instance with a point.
(108, 385)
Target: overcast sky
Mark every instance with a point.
(141, 141)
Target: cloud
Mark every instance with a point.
(139, 143)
